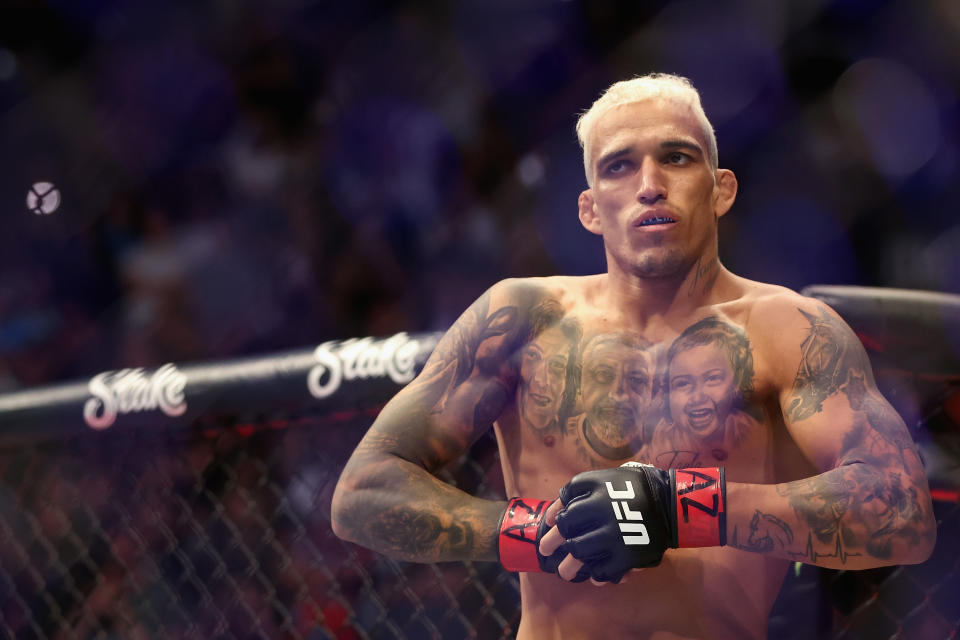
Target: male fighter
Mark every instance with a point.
(820, 469)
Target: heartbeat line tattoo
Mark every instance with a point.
(813, 555)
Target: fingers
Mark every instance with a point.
(569, 567)
(552, 511)
(550, 542)
(552, 539)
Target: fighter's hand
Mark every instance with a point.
(522, 528)
(615, 520)
(569, 567)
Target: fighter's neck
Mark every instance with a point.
(667, 298)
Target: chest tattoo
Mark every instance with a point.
(613, 395)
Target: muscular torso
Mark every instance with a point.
(580, 373)
(592, 390)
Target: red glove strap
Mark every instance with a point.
(701, 507)
(518, 534)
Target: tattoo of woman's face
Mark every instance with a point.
(543, 377)
(547, 366)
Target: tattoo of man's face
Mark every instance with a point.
(617, 388)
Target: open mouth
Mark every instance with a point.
(649, 222)
(700, 418)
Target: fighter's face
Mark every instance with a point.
(655, 199)
(702, 390)
(617, 388)
(543, 371)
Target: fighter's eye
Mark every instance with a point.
(678, 158)
(617, 167)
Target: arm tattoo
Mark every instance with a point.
(767, 533)
(427, 526)
(453, 358)
(825, 363)
(871, 501)
(833, 361)
(857, 506)
(393, 503)
(415, 532)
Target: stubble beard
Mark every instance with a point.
(660, 264)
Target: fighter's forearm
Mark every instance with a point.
(397, 508)
(855, 516)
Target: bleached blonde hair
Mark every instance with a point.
(654, 85)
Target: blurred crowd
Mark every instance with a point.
(148, 535)
(244, 177)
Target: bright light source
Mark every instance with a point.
(530, 170)
(43, 198)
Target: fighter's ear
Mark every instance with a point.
(725, 191)
(588, 214)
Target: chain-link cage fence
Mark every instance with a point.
(220, 533)
(206, 522)
(225, 533)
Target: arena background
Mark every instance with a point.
(241, 182)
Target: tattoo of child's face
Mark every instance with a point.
(709, 374)
(702, 391)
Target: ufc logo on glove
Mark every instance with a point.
(622, 511)
(645, 503)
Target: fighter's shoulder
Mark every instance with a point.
(777, 312)
(780, 319)
(530, 291)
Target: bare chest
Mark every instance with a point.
(588, 398)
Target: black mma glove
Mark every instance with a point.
(521, 528)
(619, 519)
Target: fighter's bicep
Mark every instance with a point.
(831, 405)
(406, 428)
(463, 387)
